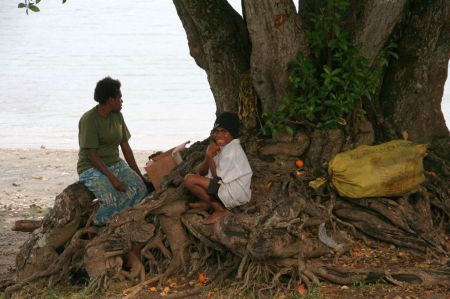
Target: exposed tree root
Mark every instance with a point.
(26, 225)
(60, 266)
(131, 292)
(432, 277)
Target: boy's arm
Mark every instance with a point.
(208, 162)
(212, 167)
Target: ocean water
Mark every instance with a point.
(50, 62)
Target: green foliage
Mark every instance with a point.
(32, 5)
(54, 294)
(331, 84)
(29, 5)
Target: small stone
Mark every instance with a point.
(344, 287)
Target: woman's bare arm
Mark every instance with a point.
(129, 157)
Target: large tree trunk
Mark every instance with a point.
(412, 89)
(378, 21)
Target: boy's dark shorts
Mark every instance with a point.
(213, 188)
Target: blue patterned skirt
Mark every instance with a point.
(110, 199)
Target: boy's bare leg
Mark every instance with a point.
(219, 211)
(199, 205)
(198, 185)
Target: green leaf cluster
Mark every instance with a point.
(32, 5)
(325, 88)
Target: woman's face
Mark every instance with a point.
(117, 102)
(221, 136)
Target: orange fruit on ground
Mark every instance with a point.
(302, 289)
(201, 278)
(299, 163)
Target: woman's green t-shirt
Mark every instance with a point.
(103, 134)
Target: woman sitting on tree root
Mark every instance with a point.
(101, 130)
(228, 173)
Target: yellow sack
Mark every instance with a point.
(389, 169)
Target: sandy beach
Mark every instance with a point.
(29, 182)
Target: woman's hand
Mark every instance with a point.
(100, 165)
(213, 150)
(118, 184)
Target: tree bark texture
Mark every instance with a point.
(219, 43)
(277, 35)
(379, 19)
(412, 89)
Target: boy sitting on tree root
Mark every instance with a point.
(228, 173)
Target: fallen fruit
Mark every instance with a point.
(302, 290)
(201, 277)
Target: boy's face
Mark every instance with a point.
(221, 136)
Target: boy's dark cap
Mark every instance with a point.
(229, 121)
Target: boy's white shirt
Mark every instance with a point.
(233, 168)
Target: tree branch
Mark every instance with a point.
(218, 41)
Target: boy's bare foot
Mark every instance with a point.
(199, 205)
(216, 216)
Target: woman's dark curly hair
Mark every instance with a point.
(105, 89)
